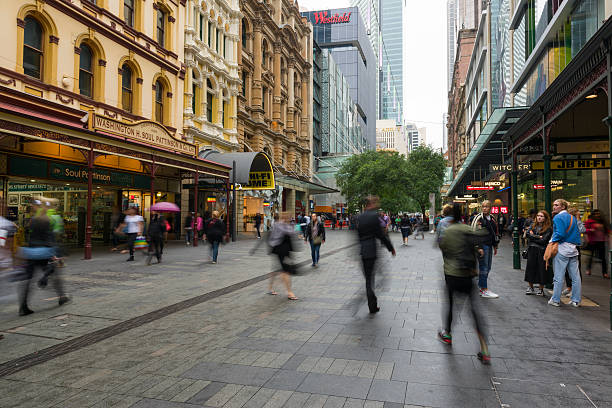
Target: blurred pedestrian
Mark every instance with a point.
(598, 233)
(189, 220)
(155, 237)
(281, 244)
(40, 253)
(214, 232)
(418, 228)
(447, 219)
(405, 229)
(486, 222)
(566, 238)
(117, 219)
(315, 234)
(258, 225)
(460, 245)
(538, 236)
(134, 225)
(369, 230)
(199, 225)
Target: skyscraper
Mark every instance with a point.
(451, 39)
(392, 47)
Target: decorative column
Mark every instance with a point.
(277, 84)
(189, 89)
(305, 105)
(256, 90)
(290, 93)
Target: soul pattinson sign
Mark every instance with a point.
(146, 131)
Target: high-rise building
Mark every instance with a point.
(392, 52)
(460, 15)
(343, 33)
(451, 25)
(391, 137)
(412, 134)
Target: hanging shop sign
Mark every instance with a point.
(596, 146)
(535, 146)
(472, 188)
(573, 164)
(508, 167)
(211, 199)
(146, 131)
(538, 186)
(494, 183)
(260, 180)
(322, 18)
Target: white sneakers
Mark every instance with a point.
(530, 291)
(553, 303)
(486, 293)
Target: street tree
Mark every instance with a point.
(426, 171)
(381, 173)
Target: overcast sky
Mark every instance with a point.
(425, 98)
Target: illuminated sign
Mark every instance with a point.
(494, 210)
(211, 199)
(260, 180)
(322, 18)
(508, 167)
(504, 210)
(538, 186)
(479, 188)
(573, 164)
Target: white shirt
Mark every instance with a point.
(133, 223)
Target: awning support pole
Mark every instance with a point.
(195, 208)
(547, 156)
(152, 181)
(608, 121)
(88, 227)
(234, 206)
(516, 250)
(230, 212)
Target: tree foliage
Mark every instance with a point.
(403, 184)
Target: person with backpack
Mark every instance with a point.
(155, 237)
(315, 233)
(484, 221)
(214, 231)
(460, 245)
(564, 247)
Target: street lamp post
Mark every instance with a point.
(516, 250)
(608, 121)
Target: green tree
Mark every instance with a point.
(384, 174)
(426, 171)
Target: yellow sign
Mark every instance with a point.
(260, 180)
(573, 164)
(148, 132)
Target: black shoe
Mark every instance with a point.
(130, 259)
(24, 311)
(42, 283)
(375, 310)
(159, 260)
(63, 299)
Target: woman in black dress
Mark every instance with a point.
(538, 235)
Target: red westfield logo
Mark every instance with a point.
(321, 18)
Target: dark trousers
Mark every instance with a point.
(131, 237)
(258, 228)
(455, 285)
(156, 246)
(286, 267)
(599, 248)
(368, 273)
(314, 252)
(48, 269)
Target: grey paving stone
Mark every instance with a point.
(230, 373)
(277, 346)
(294, 362)
(153, 403)
(313, 349)
(396, 356)
(386, 390)
(353, 352)
(286, 380)
(350, 387)
(446, 396)
(206, 393)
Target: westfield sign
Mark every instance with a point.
(321, 18)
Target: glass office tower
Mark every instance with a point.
(391, 75)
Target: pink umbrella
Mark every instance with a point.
(165, 207)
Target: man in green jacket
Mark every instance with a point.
(459, 246)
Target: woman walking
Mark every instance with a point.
(214, 233)
(405, 228)
(280, 240)
(315, 233)
(597, 233)
(538, 235)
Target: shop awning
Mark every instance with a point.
(488, 148)
(253, 169)
(313, 188)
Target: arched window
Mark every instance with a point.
(161, 27)
(33, 48)
(159, 101)
(128, 12)
(86, 76)
(209, 101)
(127, 90)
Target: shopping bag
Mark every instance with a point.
(140, 243)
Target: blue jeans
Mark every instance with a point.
(214, 246)
(314, 252)
(484, 266)
(560, 265)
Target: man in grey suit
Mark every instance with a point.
(369, 229)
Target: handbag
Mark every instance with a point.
(318, 240)
(140, 243)
(524, 253)
(553, 247)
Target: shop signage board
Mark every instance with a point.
(146, 131)
(260, 180)
(573, 164)
(472, 188)
(508, 167)
(595, 146)
(322, 18)
(466, 197)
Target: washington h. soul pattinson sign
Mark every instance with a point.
(146, 131)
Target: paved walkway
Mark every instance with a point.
(228, 344)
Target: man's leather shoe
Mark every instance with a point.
(24, 311)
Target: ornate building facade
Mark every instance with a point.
(275, 109)
(212, 83)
